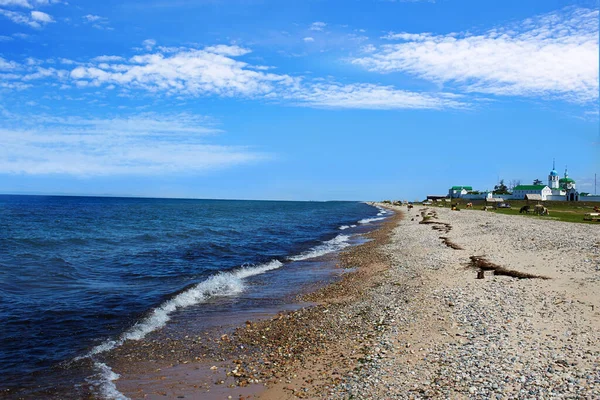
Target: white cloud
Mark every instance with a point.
(97, 22)
(187, 72)
(136, 145)
(27, 3)
(7, 65)
(43, 73)
(416, 37)
(41, 17)
(149, 44)
(370, 96)
(92, 18)
(108, 58)
(36, 19)
(214, 71)
(553, 55)
(317, 26)
(231, 51)
(368, 48)
(16, 3)
(309, 39)
(5, 38)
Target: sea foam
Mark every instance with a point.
(337, 243)
(104, 381)
(369, 220)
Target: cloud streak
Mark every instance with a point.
(216, 71)
(551, 56)
(372, 97)
(136, 145)
(27, 3)
(211, 70)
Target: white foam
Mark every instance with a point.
(105, 382)
(344, 227)
(221, 285)
(337, 243)
(382, 211)
(368, 220)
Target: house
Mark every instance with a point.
(519, 192)
(459, 191)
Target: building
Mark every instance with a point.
(459, 191)
(557, 189)
(563, 189)
(519, 192)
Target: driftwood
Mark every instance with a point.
(484, 264)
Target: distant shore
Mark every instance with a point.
(411, 320)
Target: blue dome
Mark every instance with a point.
(553, 173)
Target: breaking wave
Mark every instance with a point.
(369, 220)
(221, 285)
(337, 243)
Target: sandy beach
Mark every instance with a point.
(411, 320)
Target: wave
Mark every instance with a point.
(224, 284)
(104, 382)
(337, 243)
(344, 227)
(369, 220)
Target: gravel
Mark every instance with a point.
(449, 335)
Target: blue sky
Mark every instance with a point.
(298, 99)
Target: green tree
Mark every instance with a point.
(537, 182)
(501, 188)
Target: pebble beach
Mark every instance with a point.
(497, 337)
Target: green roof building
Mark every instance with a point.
(529, 187)
(459, 191)
(521, 191)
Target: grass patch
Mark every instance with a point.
(559, 210)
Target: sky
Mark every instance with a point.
(295, 99)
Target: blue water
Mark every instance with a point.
(76, 272)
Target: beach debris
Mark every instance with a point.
(485, 265)
(450, 243)
(438, 226)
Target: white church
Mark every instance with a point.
(557, 189)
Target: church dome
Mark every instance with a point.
(553, 173)
(566, 180)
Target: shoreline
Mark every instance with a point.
(203, 365)
(414, 321)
